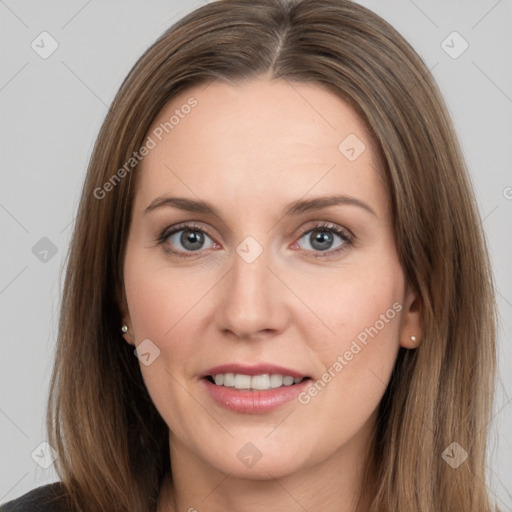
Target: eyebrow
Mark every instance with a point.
(295, 208)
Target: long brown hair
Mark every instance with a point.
(112, 443)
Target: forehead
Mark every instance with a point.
(261, 138)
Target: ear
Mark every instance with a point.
(410, 329)
(125, 316)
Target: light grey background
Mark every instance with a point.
(52, 110)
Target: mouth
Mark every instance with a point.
(254, 388)
(261, 382)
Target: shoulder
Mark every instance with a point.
(47, 498)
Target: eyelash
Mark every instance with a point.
(347, 237)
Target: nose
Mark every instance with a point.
(253, 301)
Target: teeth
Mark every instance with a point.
(276, 381)
(229, 379)
(254, 382)
(260, 381)
(242, 381)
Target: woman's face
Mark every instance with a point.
(278, 280)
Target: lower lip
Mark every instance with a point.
(254, 402)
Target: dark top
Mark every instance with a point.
(47, 498)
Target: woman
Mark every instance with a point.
(277, 221)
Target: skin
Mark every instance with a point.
(250, 149)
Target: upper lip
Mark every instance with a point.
(257, 369)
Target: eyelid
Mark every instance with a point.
(320, 224)
(190, 225)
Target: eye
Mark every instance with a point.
(326, 238)
(187, 238)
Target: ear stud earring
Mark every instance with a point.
(124, 329)
(413, 338)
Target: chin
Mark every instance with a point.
(256, 456)
(266, 468)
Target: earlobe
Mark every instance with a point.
(413, 342)
(410, 332)
(125, 328)
(125, 332)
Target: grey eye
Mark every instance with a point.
(190, 239)
(321, 239)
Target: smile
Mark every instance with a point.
(248, 396)
(254, 382)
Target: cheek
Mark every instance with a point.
(159, 297)
(160, 302)
(363, 311)
(161, 307)
(367, 310)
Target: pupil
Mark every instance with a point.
(189, 238)
(321, 237)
